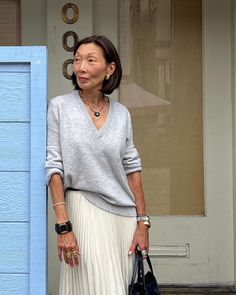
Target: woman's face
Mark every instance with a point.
(90, 67)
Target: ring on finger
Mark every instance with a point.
(75, 253)
(69, 254)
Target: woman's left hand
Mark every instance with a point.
(141, 238)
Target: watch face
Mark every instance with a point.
(146, 218)
(147, 223)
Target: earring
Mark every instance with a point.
(107, 77)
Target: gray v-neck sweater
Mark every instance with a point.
(96, 162)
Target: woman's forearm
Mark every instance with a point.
(140, 238)
(135, 184)
(57, 194)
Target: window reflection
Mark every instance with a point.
(160, 47)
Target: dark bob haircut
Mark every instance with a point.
(110, 55)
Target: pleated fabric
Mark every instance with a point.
(104, 240)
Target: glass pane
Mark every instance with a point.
(160, 43)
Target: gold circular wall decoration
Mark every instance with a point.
(65, 68)
(64, 13)
(65, 40)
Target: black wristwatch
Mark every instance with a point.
(63, 228)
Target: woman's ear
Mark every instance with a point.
(111, 68)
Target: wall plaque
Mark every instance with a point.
(65, 16)
(65, 68)
(65, 40)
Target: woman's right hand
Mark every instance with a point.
(67, 243)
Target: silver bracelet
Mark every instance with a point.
(145, 219)
(142, 217)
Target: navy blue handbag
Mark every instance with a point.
(143, 284)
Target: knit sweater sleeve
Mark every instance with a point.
(54, 162)
(131, 159)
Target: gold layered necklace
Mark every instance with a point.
(96, 113)
(93, 107)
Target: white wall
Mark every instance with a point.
(233, 83)
(218, 153)
(106, 10)
(33, 22)
(56, 27)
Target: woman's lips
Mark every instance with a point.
(83, 80)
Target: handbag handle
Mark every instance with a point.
(138, 269)
(141, 275)
(149, 263)
(134, 270)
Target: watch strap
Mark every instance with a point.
(63, 228)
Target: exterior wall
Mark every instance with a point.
(108, 28)
(33, 22)
(56, 27)
(233, 83)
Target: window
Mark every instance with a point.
(160, 43)
(9, 22)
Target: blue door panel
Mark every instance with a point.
(16, 244)
(23, 232)
(15, 196)
(14, 67)
(14, 146)
(15, 96)
(14, 284)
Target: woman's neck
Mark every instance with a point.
(93, 98)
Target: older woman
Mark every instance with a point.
(93, 171)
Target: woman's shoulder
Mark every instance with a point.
(120, 107)
(61, 99)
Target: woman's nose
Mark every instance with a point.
(82, 65)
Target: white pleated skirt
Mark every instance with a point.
(104, 239)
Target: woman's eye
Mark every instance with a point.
(91, 60)
(76, 59)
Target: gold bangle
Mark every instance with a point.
(59, 203)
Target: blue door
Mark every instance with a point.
(22, 182)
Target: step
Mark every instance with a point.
(197, 290)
